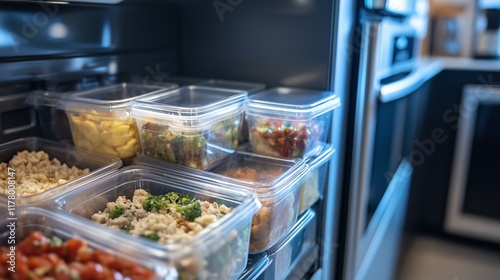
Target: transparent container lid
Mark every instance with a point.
(190, 106)
(113, 98)
(250, 88)
(299, 226)
(291, 102)
(325, 155)
(284, 176)
(256, 264)
(43, 98)
(65, 227)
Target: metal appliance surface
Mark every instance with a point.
(390, 76)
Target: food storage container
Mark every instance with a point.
(60, 228)
(218, 251)
(250, 88)
(289, 123)
(66, 154)
(275, 181)
(285, 255)
(312, 188)
(101, 121)
(54, 123)
(256, 265)
(192, 126)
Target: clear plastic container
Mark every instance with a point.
(285, 255)
(289, 123)
(256, 265)
(191, 126)
(276, 182)
(59, 225)
(312, 188)
(54, 122)
(206, 255)
(101, 121)
(97, 164)
(250, 88)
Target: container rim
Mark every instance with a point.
(76, 101)
(301, 223)
(286, 183)
(324, 156)
(254, 106)
(147, 106)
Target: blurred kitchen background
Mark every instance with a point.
(453, 218)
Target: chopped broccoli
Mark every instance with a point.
(154, 202)
(172, 197)
(190, 211)
(153, 236)
(116, 212)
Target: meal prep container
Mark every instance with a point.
(32, 219)
(192, 126)
(312, 188)
(101, 121)
(289, 123)
(54, 123)
(297, 243)
(219, 251)
(98, 165)
(276, 183)
(250, 88)
(256, 265)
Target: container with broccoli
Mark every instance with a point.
(171, 219)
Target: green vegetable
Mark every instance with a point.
(55, 242)
(116, 212)
(155, 203)
(153, 236)
(190, 211)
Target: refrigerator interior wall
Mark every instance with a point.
(278, 43)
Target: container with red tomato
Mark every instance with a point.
(289, 123)
(52, 246)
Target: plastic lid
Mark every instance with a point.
(190, 106)
(113, 98)
(293, 173)
(291, 102)
(43, 98)
(299, 226)
(256, 265)
(324, 156)
(250, 88)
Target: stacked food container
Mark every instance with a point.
(202, 199)
(100, 119)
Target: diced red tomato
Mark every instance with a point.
(36, 258)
